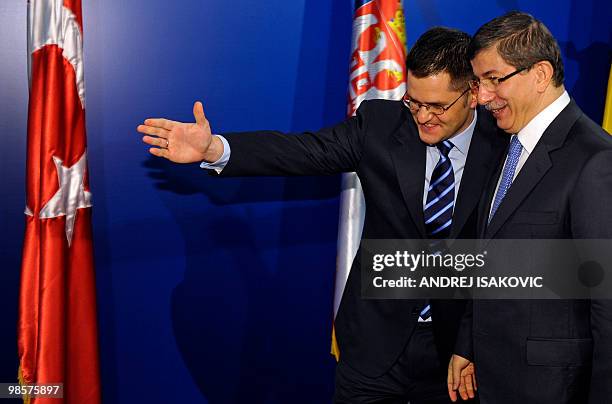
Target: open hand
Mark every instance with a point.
(182, 142)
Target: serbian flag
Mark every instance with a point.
(57, 330)
(377, 70)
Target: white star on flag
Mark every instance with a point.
(70, 196)
(57, 334)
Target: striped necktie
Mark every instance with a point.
(438, 210)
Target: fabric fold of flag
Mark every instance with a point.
(57, 327)
(377, 70)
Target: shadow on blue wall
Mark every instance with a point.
(247, 316)
(237, 331)
(180, 180)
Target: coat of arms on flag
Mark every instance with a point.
(377, 70)
(377, 67)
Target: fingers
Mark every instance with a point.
(456, 372)
(152, 130)
(159, 152)
(469, 388)
(470, 371)
(159, 137)
(449, 381)
(459, 371)
(155, 141)
(463, 390)
(461, 378)
(198, 113)
(160, 123)
(452, 393)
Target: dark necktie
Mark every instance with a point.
(438, 210)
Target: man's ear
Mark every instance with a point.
(473, 97)
(544, 72)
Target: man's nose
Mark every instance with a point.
(423, 115)
(485, 96)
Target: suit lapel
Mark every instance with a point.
(532, 172)
(536, 166)
(409, 160)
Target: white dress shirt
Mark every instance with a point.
(530, 135)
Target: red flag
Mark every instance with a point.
(377, 70)
(378, 59)
(57, 329)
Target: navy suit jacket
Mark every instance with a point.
(548, 351)
(382, 145)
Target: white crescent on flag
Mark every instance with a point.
(56, 25)
(57, 332)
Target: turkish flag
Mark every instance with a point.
(57, 329)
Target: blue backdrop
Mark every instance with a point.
(216, 290)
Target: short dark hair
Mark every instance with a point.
(521, 40)
(439, 50)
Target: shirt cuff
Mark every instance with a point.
(220, 164)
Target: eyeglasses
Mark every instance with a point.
(415, 106)
(491, 83)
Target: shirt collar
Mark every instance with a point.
(462, 140)
(533, 131)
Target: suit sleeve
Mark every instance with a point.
(329, 151)
(464, 345)
(591, 210)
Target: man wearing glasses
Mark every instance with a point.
(555, 183)
(423, 163)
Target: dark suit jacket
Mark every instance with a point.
(549, 351)
(381, 144)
